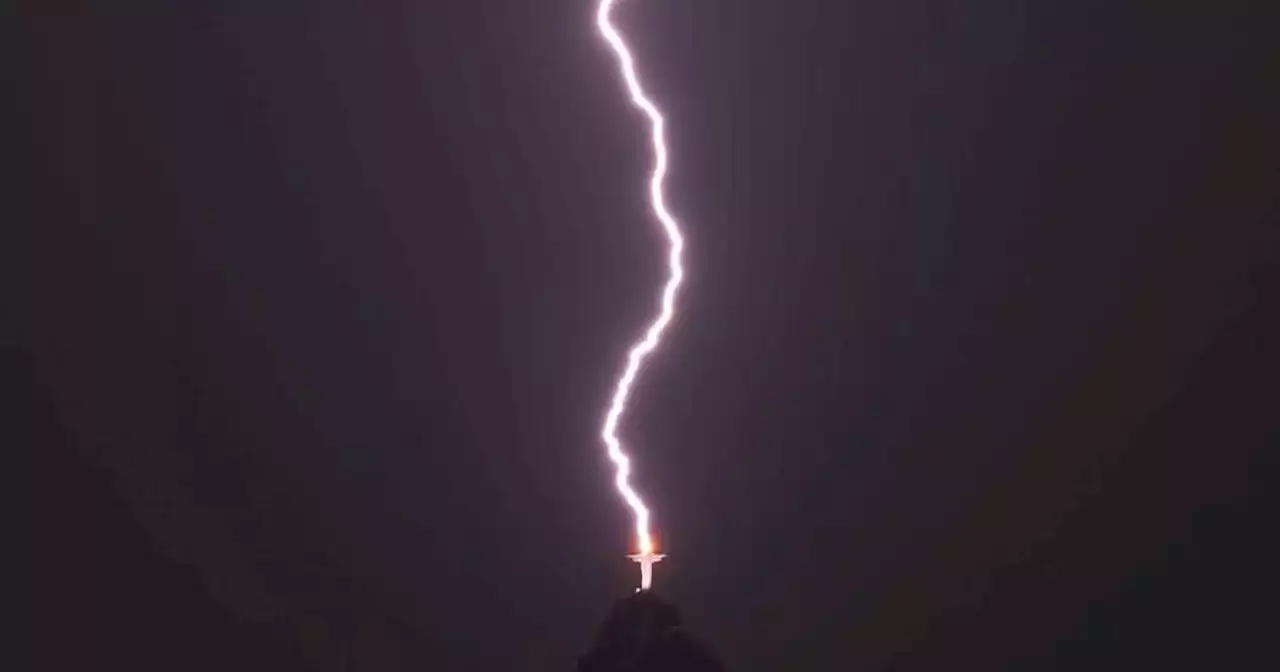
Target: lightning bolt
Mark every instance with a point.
(646, 345)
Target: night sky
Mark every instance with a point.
(311, 311)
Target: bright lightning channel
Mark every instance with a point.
(642, 348)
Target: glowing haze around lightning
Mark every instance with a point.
(642, 348)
